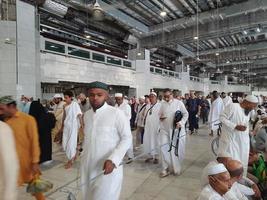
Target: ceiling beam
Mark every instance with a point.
(208, 16)
(207, 31)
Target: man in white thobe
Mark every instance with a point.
(139, 120)
(152, 128)
(235, 137)
(8, 164)
(58, 111)
(107, 139)
(216, 109)
(171, 163)
(220, 185)
(226, 99)
(126, 109)
(72, 121)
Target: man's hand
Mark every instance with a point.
(108, 167)
(35, 169)
(178, 125)
(240, 128)
(257, 191)
(218, 185)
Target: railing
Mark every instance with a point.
(56, 47)
(236, 83)
(215, 82)
(164, 72)
(196, 79)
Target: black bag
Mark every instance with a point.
(178, 116)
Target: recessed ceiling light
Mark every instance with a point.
(258, 30)
(196, 37)
(88, 36)
(139, 54)
(126, 56)
(234, 68)
(227, 61)
(217, 54)
(173, 62)
(106, 50)
(163, 13)
(245, 32)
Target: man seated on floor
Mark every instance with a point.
(220, 185)
(236, 170)
(225, 158)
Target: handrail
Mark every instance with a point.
(165, 72)
(90, 52)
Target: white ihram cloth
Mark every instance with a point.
(232, 141)
(216, 109)
(126, 109)
(151, 129)
(169, 159)
(227, 100)
(107, 137)
(208, 193)
(71, 128)
(8, 164)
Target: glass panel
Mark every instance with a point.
(165, 72)
(98, 57)
(159, 71)
(115, 61)
(171, 74)
(177, 75)
(151, 69)
(51, 46)
(127, 63)
(78, 52)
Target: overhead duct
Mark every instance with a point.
(130, 39)
(55, 8)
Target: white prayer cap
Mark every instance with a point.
(252, 99)
(118, 95)
(57, 96)
(142, 97)
(216, 169)
(224, 155)
(153, 93)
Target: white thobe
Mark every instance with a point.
(227, 100)
(8, 164)
(169, 159)
(235, 142)
(107, 137)
(216, 109)
(139, 120)
(126, 109)
(151, 129)
(208, 193)
(71, 128)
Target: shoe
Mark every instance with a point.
(164, 173)
(148, 160)
(191, 132)
(130, 160)
(156, 161)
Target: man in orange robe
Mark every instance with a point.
(26, 139)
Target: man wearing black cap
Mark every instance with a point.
(107, 139)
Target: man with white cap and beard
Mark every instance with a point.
(152, 128)
(235, 138)
(126, 109)
(220, 185)
(139, 120)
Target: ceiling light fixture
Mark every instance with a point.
(163, 13)
(258, 30)
(227, 61)
(106, 50)
(195, 38)
(245, 32)
(173, 62)
(217, 54)
(139, 54)
(126, 56)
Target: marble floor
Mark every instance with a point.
(141, 180)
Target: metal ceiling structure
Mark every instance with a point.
(228, 36)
